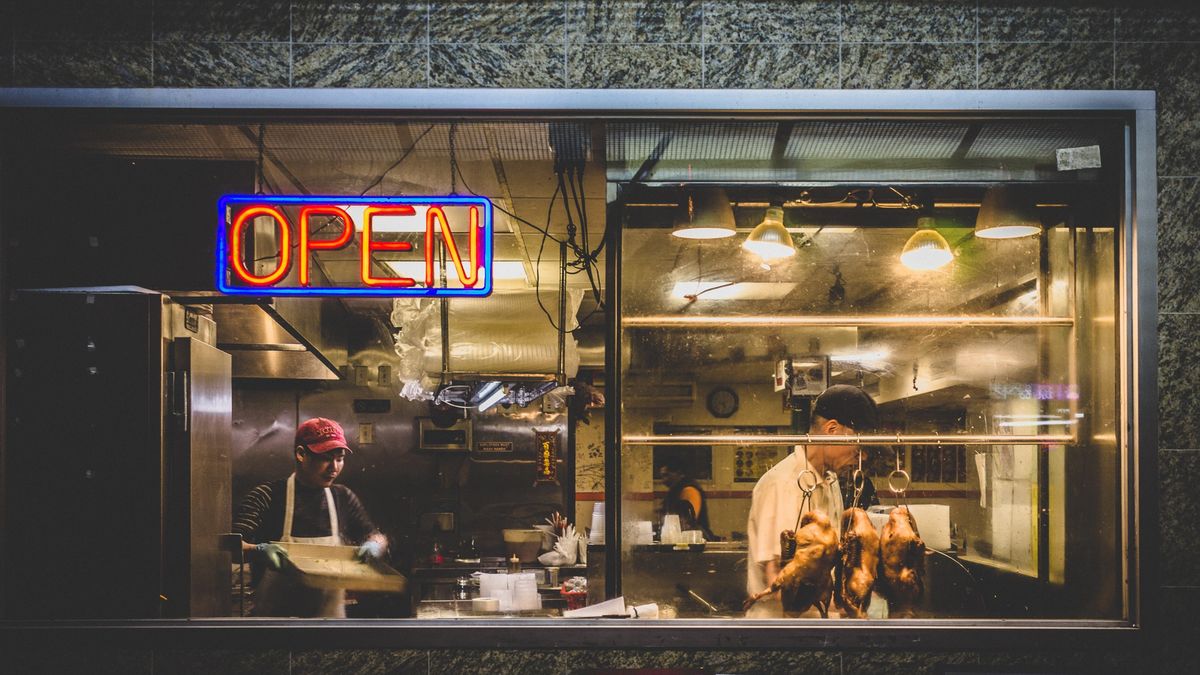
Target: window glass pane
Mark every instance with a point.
(991, 363)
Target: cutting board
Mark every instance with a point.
(334, 567)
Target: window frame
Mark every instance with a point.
(1137, 272)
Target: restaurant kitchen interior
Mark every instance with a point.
(631, 313)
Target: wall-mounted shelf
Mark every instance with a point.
(877, 439)
(777, 321)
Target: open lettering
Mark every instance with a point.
(305, 225)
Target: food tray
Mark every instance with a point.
(337, 567)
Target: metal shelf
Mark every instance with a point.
(776, 321)
(877, 439)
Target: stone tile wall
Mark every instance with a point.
(987, 44)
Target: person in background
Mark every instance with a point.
(840, 410)
(306, 507)
(685, 498)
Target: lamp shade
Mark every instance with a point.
(706, 214)
(770, 240)
(1006, 214)
(926, 249)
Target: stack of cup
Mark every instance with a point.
(524, 592)
(596, 536)
(644, 534)
(671, 533)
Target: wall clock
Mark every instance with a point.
(722, 402)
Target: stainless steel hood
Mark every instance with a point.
(283, 338)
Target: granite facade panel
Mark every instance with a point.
(321, 21)
(578, 661)
(66, 20)
(1157, 22)
(914, 21)
(223, 64)
(359, 65)
(908, 66)
(1056, 21)
(82, 64)
(785, 66)
(6, 61)
(633, 66)
(771, 21)
(231, 662)
(1173, 71)
(364, 661)
(1179, 516)
(604, 21)
(907, 662)
(54, 657)
(495, 65)
(526, 21)
(1046, 65)
(1178, 252)
(1178, 381)
(222, 20)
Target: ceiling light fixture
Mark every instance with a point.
(926, 249)
(770, 240)
(705, 214)
(1005, 214)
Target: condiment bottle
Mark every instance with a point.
(514, 564)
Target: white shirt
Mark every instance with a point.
(775, 507)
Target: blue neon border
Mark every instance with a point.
(227, 201)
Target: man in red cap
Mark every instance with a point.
(305, 508)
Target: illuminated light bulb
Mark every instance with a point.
(1004, 214)
(926, 249)
(770, 240)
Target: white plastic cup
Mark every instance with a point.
(596, 535)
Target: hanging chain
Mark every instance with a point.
(262, 178)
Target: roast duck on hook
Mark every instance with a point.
(901, 563)
(807, 579)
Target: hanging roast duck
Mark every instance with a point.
(807, 579)
(902, 563)
(859, 564)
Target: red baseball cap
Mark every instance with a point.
(321, 435)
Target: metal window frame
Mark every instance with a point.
(1138, 271)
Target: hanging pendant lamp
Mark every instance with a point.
(770, 240)
(926, 249)
(705, 214)
(1005, 214)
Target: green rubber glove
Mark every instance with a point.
(370, 550)
(273, 554)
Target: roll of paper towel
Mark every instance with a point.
(933, 522)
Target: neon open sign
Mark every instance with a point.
(401, 246)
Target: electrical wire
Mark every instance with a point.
(398, 162)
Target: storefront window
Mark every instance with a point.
(987, 356)
(701, 335)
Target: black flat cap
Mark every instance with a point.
(849, 405)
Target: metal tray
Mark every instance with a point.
(335, 567)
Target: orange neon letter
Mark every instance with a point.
(368, 246)
(321, 244)
(235, 246)
(435, 213)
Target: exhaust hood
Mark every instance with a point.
(283, 338)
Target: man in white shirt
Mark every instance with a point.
(841, 410)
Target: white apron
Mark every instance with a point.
(827, 497)
(282, 594)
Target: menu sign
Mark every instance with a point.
(274, 245)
